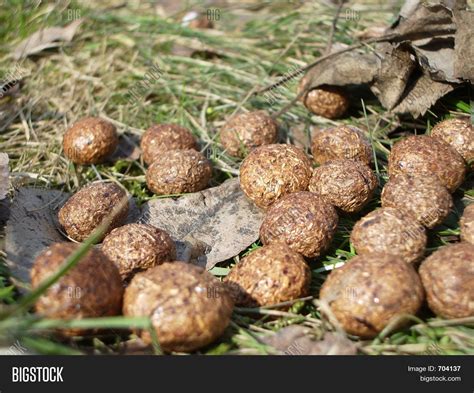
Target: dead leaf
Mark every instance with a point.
(32, 226)
(300, 137)
(348, 68)
(134, 346)
(436, 58)
(127, 149)
(425, 22)
(422, 95)
(298, 340)
(210, 226)
(29, 230)
(46, 38)
(397, 65)
(4, 174)
(426, 53)
(464, 45)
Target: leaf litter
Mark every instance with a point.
(298, 340)
(208, 227)
(424, 55)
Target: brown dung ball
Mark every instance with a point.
(391, 231)
(90, 206)
(459, 134)
(422, 155)
(466, 224)
(189, 308)
(371, 290)
(448, 278)
(160, 138)
(341, 142)
(422, 196)
(178, 172)
(137, 247)
(92, 288)
(346, 184)
(271, 171)
(329, 101)
(90, 141)
(246, 131)
(269, 275)
(301, 220)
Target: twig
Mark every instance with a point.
(387, 37)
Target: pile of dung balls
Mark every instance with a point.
(135, 272)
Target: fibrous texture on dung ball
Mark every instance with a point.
(346, 184)
(161, 138)
(92, 288)
(467, 224)
(422, 196)
(137, 247)
(270, 275)
(459, 134)
(448, 279)
(246, 131)
(422, 155)
(90, 141)
(370, 290)
(328, 101)
(90, 206)
(189, 308)
(341, 142)
(392, 231)
(271, 171)
(178, 171)
(303, 221)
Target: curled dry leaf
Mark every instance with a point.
(422, 94)
(424, 55)
(298, 340)
(396, 67)
(351, 68)
(46, 38)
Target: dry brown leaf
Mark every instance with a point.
(426, 21)
(209, 226)
(127, 149)
(416, 65)
(297, 340)
(396, 67)
(300, 136)
(464, 45)
(436, 58)
(32, 226)
(348, 68)
(46, 38)
(422, 95)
